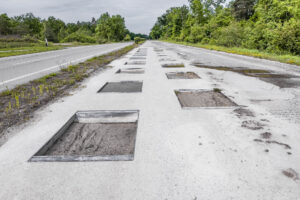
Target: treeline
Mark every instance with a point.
(269, 25)
(105, 29)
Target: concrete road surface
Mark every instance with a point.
(249, 150)
(16, 70)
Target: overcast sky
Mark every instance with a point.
(140, 15)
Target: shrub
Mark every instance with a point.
(79, 37)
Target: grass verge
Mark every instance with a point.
(5, 52)
(285, 58)
(17, 105)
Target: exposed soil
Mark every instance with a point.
(182, 75)
(96, 140)
(173, 65)
(286, 146)
(241, 112)
(290, 173)
(266, 135)
(252, 125)
(18, 105)
(280, 80)
(122, 87)
(203, 99)
(131, 71)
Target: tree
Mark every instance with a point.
(111, 28)
(5, 24)
(243, 9)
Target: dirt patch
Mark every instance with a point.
(136, 63)
(283, 82)
(182, 75)
(122, 87)
(200, 98)
(96, 139)
(290, 173)
(252, 125)
(241, 112)
(280, 80)
(18, 105)
(286, 146)
(266, 135)
(131, 71)
(95, 135)
(179, 65)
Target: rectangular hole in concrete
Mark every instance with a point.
(137, 58)
(131, 71)
(93, 136)
(173, 65)
(122, 87)
(203, 99)
(182, 75)
(136, 63)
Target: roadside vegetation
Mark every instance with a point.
(261, 28)
(27, 33)
(17, 105)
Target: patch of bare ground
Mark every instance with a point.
(200, 98)
(266, 135)
(19, 104)
(291, 173)
(280, 80)
(242, 112)
(286, 146)
(252, 125)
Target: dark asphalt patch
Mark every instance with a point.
(122, 87)
(182, 75)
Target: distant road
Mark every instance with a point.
(17, 70)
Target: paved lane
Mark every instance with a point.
(20, 69)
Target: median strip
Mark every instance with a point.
(17, 105)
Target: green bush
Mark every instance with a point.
(127, 38)
(79, 37)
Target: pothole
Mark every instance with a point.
(203, 99)
(131, 71)
(182, 75)
(122, 87)
(93, 136)
(175, 65)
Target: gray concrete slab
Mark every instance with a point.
(179, 154)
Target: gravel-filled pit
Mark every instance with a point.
(122, 87)
(93, 136)
(173, 65)
(203, 98)
(182, 75)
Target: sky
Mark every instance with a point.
(140, 15)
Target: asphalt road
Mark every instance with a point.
(16, 70)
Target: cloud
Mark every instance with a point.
(140, 15)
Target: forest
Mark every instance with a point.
(267, 25)
(28, 27)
